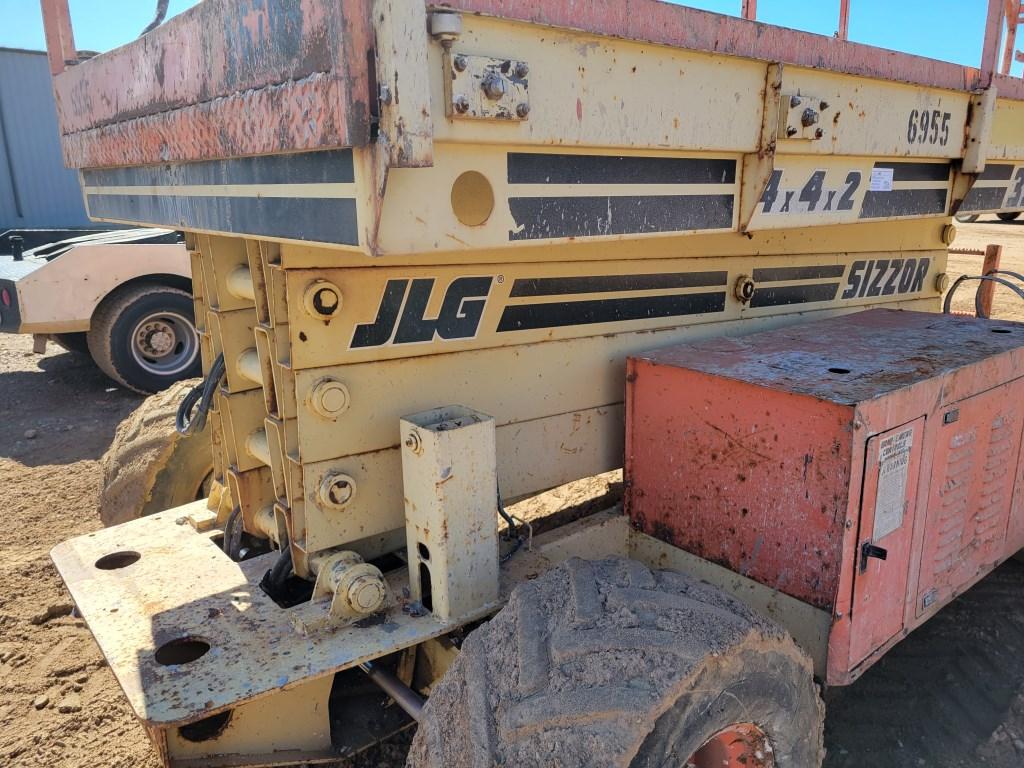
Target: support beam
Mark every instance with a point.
(844, 20)
(750, 10)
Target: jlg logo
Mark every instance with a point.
(400, 318)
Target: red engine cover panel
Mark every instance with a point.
(821, 460)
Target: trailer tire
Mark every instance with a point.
(144, 337)
(149, 467)
(611, 664)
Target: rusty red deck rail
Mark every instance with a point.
(219, 81)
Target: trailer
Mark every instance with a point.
(447, 256)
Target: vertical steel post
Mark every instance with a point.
(993, 256)
(750, 10)
(993, 36)
(60, 41)
(844, 20)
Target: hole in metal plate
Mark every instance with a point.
(184, 650)
(116, 560)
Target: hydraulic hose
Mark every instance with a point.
(185, 421)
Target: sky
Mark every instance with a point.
(938, 29)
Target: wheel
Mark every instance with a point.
(76, 343)
(611, 664)
(149, 467)
(1008, 216)
(144, 337)
(967, 218)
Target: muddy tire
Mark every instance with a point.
(612, 664)
(144, 337)
(149, 467)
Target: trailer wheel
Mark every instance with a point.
(1012, 216)
(612, 664)
(149, 467)
(144, 337)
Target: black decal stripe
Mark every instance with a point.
(903, 202)
(794, 294)
(534, 168)
(917, 171)
(558, 286)
(325, 220)
(326, 167)
(996, 172)
(983, 199)
(779, 274)
(525, 317)
(548, 217)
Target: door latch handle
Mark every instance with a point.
(869, 550)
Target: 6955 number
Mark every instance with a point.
(928, 127)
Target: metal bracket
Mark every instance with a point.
(449, 473)
(758, 166)
(979, 130)
(806, 117)
(485, 87)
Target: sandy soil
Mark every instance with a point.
(60, 706)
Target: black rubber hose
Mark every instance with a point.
(203, 393)
(282, 568)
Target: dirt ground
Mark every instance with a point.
(950, 696)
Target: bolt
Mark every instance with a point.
(413, 443)
(366, 593)
(461, 104)
(325, 300)
(329, 398)
(819, 133)
(322, 299)
(744, 289)
(522, 110)
(522, 69)
(337, 490)
(809, 117)
(941, 282)
(385, 95)
(460, 63)
(791, 131)
(493, 86)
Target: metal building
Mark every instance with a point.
(36, 190)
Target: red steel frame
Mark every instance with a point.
(217, 82)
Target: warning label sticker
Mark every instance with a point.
(893, 468)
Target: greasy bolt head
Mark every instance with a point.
(522, 69)
(493, 86)
(329, 398)
(523, 109)
(461, 104)
(337, 490)
(942, 282)
(460, 63)
(743, 290)
(809, 117)
(322, 299)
